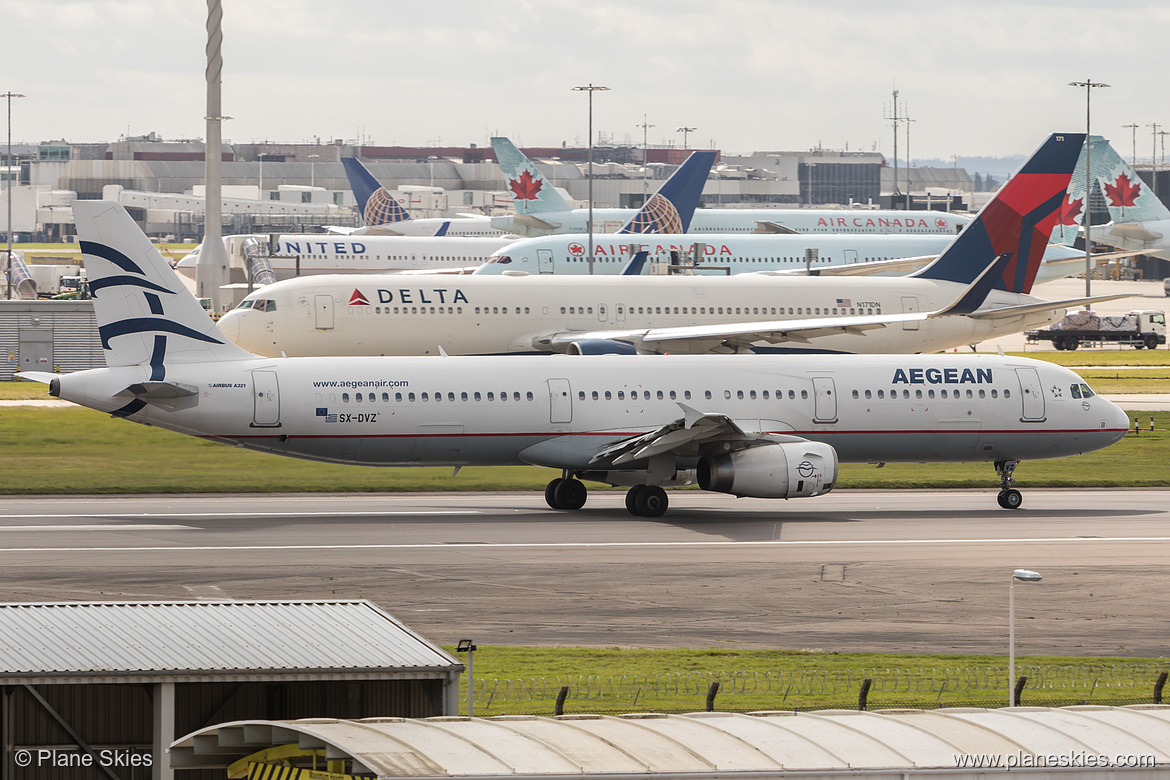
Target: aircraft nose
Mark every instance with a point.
(1117, 417)
(229, 325)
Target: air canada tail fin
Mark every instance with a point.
(531, 192)
(1017, 221)
(145, 315)
(670, 209)
(1127, 197)
(377, 205)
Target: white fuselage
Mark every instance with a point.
(306, 255)
(487, 315)
(559, 411)
(1150, 237)
(731, 254)
(706, 220)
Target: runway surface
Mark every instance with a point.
(905, 571)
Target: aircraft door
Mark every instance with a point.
(850, 256)
(909, 304)
(544, 261)
(560, 401)
(323, 306)
(266, 399)
(1033, 395)
(825, 399)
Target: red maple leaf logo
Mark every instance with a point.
(1123, 191)
(940, 223)
(576, 249)
(357, 299)
(1070, 211)
(526, 187)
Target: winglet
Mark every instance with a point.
(974, 296)
(635, 264)
(377, 205)
(670, 209)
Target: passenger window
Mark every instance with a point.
(345, 397)
(727, 394)
(621, 395)
(707, 394)
(410, 396)
(491, 396)
(1007, 393)
(994, 393)
(529, 395)
(882, 394)
(463, 396)
(857, 395)
(477, 396)
(398, 397)
(608, 397)
(424, 397)
(672, 395)
(659, 395)
(686, 395)
(804, 395)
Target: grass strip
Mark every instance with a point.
(526, 680)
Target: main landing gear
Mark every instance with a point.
(569, 493)
(566, 493)
(647, 501)
(1009, 497)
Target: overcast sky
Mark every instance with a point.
(982, 78)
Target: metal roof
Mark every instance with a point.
(843, 741)
(254, 640)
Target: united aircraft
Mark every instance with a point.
(757, 426)
(540, 211)
(284, 256)
(951, 303)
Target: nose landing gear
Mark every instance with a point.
(1009, 497)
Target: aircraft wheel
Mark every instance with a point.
(550, 492)
(651, 501)
(570, 494)
(632, 499)
(1010, 498)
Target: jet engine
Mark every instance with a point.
(788, 470)
(601, 347)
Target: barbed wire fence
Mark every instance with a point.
(819, 689)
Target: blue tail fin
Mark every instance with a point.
(531, 192)
(377, 205)
(1017, 221)
(670, 209)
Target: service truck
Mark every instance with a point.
(1138, 329)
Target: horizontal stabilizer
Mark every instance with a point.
(44, 377)
(1030, 308)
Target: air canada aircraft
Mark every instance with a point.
(948, 304)
(540, 210)
(757, 426)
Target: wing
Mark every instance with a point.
(767, 226)
(741, 335)
(900, 265)
(1029, 308)
(695, 433)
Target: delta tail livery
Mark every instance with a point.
(757, 426)
(953, 302)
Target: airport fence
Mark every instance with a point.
(742, 691)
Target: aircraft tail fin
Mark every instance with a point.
(531, 192)
(1127, 197)
(1017, 221)
(670, 209)
(377, 205)
(145, 315)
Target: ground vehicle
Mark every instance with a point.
(1138, 328)
(1166, 287)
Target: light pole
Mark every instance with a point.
(467, 646)
(261, 157)
(8, 165)
(1023, 575)
(589, 225)
(1088, 84)
(645, 163)
(313, 169)
(686, 131)
(1133, 127)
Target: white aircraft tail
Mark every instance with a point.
(145, 315)
(531, 192)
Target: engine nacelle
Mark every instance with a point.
(788, 470)
(601, 347)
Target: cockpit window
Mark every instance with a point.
(245, 304)
(263, 304)
(1075, 390)
(1086, 392)
(501, 259)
